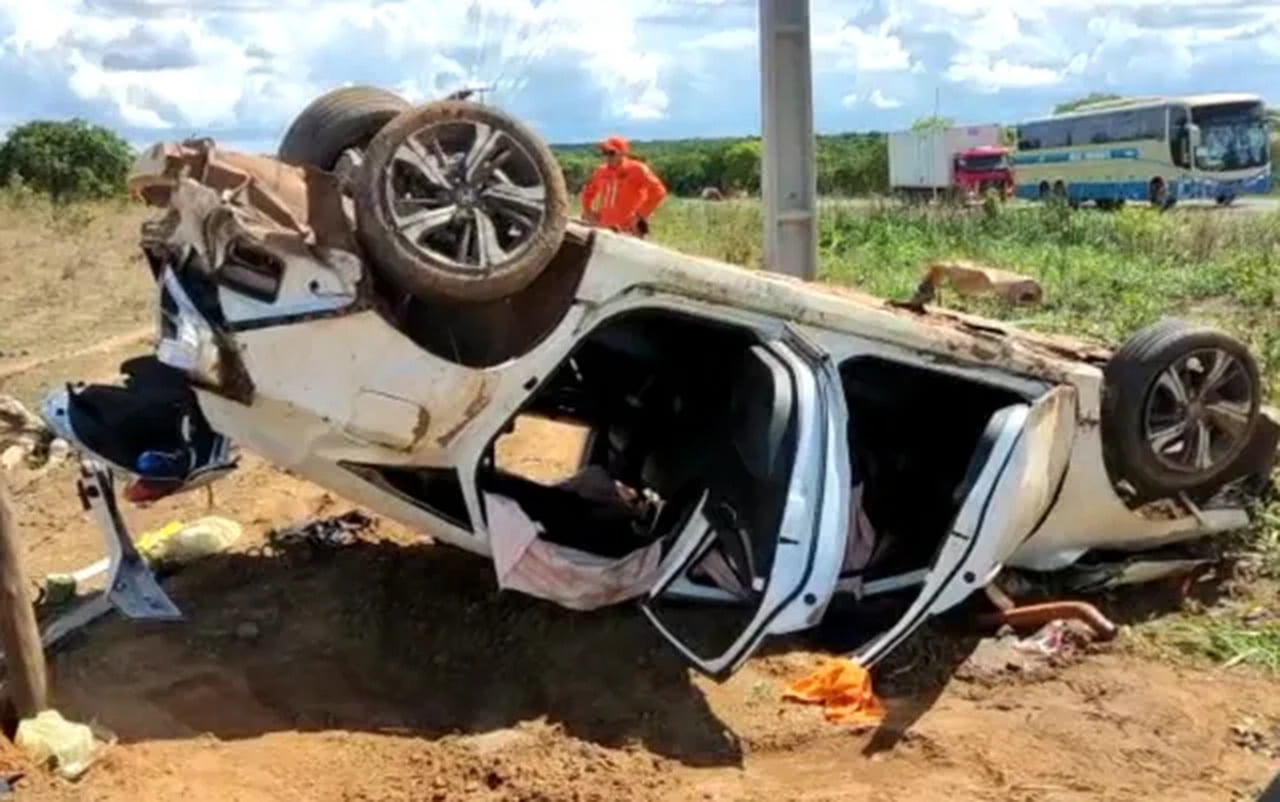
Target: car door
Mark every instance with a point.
(769, 531)
(1013, 477)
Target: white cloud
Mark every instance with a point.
(880, 101)
(424, 46)
(991, 76)
(849, 47)
(579, 68)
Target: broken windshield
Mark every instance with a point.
(1233, 136)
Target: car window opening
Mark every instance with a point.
(669, 413)
(912, 435)
(641, 404)
(915, 435)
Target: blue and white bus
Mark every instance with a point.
(1159, 150)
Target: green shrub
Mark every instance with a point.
(66, 160)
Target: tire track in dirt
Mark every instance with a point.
(27, 364)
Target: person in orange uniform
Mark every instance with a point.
(627, 189)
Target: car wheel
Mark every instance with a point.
(1180, 404)
(338, 121)
(460, 201)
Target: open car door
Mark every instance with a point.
(1011, 481)
(769, 532)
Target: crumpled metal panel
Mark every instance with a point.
(222, 193)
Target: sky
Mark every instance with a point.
(577, 70)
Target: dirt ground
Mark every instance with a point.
(394, 670)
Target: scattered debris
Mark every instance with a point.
(48, 739)
(182, 544)
(843, 687)
(333, 532)
(1042, 614)
(170, 546)
(1256, 737)
(1033, 657)
(968, 278)
(28, 448)
(248, 631)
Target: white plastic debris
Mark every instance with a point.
(48, 739)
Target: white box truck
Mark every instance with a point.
(958, 162)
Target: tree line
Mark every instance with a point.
(74, 159)
(847, 164)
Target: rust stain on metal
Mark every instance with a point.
(420, 428)
(474, 407)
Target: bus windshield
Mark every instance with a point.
(1233, 136)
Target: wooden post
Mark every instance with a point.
(19, 633)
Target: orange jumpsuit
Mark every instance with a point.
(626, 193)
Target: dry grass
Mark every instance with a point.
(70, 276)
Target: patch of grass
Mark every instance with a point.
(1243, 626)
(1225, 640)
(70, 274)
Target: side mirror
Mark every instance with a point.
(1193, 132)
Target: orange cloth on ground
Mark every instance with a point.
(626, 192)
(843, 688)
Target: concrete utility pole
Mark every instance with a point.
(788, 180)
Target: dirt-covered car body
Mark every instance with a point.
(771, 415)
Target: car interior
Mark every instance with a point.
(916, 440)
(676, 407)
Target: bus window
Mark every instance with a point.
(1179, 139)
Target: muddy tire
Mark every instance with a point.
(460, 201)
(1180, 404)
(338, 121)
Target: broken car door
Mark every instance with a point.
(769, 531)
(1011, 481)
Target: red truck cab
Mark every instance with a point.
(982, 168)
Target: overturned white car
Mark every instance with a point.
(374, 316)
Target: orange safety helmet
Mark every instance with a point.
(616, 144)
